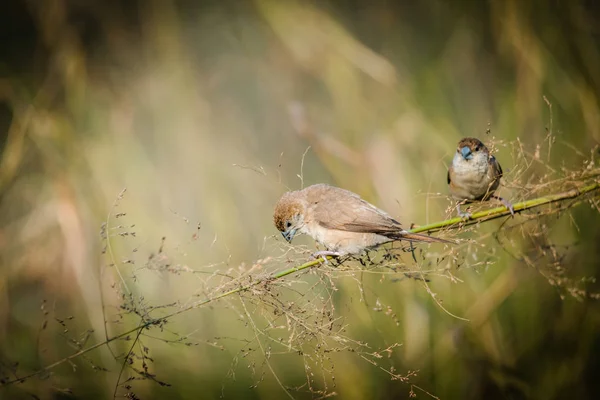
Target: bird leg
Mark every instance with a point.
(324, 253)
(506, 204)
(465, 215)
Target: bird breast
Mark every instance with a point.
(472, 179)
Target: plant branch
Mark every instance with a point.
(452, 223)
(498, 212)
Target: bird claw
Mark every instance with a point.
(323, 255)
(511, 209)
(506, 204)
(464, 215)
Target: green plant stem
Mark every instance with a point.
(453, 223)
(499, 212)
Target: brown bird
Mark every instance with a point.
(339, 220)
(474, 174)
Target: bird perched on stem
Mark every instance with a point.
(339, 220)
(474, 174)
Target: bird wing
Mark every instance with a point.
(339, 209)
(448, 176)
(496, 165)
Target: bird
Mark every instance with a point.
(340, 220)
(474, 175)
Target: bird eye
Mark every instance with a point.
(288, 224)
(477, 148)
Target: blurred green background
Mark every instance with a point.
(205, 111)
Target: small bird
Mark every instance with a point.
(474, 174)
(339, 220)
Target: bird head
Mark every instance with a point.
(471, 149)
(289, 216)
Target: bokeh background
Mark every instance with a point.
(207, 111)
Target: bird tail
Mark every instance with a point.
(417, 237)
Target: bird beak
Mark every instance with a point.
(289, 235)
(466, 153)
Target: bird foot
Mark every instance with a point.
(506, 204)
(464, 215)
(324, 253)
